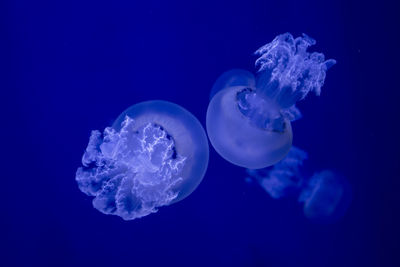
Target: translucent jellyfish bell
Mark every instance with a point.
(326, 197)
(155, 154)
(238, 139)
(248, 119)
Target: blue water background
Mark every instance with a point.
(68, 67)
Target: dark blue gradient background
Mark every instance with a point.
(68, 67)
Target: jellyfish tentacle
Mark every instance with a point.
(287, 73)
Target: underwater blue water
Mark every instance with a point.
(69, 67)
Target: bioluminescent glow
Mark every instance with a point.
(248, 118)
(326, 195)
(155, 154)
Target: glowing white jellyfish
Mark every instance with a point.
(248, 118)
(326, 195)
(155, 154)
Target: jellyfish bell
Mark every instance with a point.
(187, 132)
(155, 154)
(248, 115)
(326, 197)
(236, 129)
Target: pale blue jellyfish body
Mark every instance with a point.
(248, 119)
(326, 195)
(155, 154)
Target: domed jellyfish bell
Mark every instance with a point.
(326, 197)
(239, 123)
(184, 129)
(155, 154)
(248, 119)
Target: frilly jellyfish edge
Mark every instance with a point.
(155, 154)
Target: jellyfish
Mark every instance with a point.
(325, 195)
(249, 117)
(155, 154)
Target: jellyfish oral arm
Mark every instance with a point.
(287, 72)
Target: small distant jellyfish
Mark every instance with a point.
(155, 154)
(248, 117)
(326, 195)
